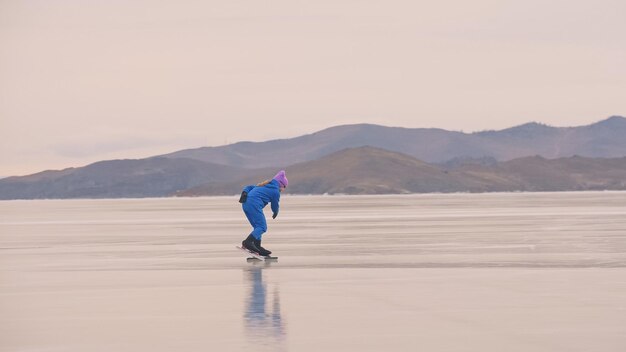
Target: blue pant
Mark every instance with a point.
(256, 218)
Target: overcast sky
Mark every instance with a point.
(82, 81)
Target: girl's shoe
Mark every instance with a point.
(257, 243)
(249, 244)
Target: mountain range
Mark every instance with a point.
(361, 159)
(369, 170)
(604, 139)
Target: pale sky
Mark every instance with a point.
(83, 81)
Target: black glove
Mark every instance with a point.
(274, 215)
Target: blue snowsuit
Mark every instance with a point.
(258, 197)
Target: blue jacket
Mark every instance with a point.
(258, 197)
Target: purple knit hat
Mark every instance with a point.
(281, 178)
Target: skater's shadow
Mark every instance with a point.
(263, 321)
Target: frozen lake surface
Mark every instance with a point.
(458, 272)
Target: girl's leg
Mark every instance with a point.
(258, 222)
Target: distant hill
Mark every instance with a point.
(363, 170)
(360, 159)
(604, 139)
(152, 177)
(537, 174)
(368, 170)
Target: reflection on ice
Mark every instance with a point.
(264, 325)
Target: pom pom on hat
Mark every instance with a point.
(281, 178)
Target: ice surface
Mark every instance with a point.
(459, 272)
